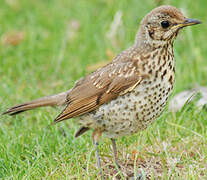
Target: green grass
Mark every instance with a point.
(49, 60)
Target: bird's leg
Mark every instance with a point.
(95, 138)
(113, 141)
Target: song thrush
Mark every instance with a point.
(129, 93)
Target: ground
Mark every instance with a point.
(46, 46)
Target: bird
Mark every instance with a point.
(129, 93)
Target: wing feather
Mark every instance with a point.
(101, 87)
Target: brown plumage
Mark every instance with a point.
(101, 87)
(129, 93)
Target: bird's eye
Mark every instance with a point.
(165, 24)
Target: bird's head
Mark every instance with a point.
(162, 25)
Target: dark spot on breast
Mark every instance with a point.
(155, 54)
(156, 74)
(137, 93)
(163, 74)
(137, 115)
(162, 51)
(168, 56)
(118, 102)
(163, 104)
(171, 79)
(164, 63)
(135, 107)
(159, 60)
(160, 69)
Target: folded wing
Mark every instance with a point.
(101, 87)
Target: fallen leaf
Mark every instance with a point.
(13, 38)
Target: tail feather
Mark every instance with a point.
(54, 100)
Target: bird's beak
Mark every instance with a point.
(188, 22)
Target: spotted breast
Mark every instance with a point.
(137, 109)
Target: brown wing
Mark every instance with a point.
(101, 87)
